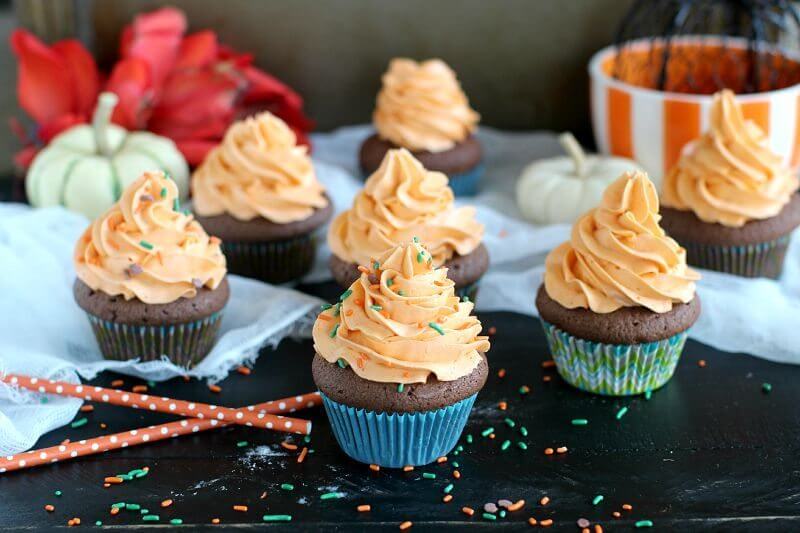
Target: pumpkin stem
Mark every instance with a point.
(100, 121)
(574, 150)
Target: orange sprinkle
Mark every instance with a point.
(240, 508)
(103, 425)
(408, 468)
(385, 313)
(364, 508)
(516, 506)
(546, 379)
(492, 435)
(598, 528)
(627, 507)
(77, 521)
(585, 530)
(139, 388)
(548, 364)
(214, 241)
(561, 449)
(166, 503)
(349, 312)
(70, 522)
(544, 501)
(302, 456)
(106, 485)
(117, 383)
(243, 370)
(469, 511)
(532, 521)
(501, 373)
(375, 468)
(447, 498)
(374, 287)
(546, 523)
(456, 474)
(289, 446)
(113, 479)
(502, 406)
(616, 514)
(442, 459)
(88, 408)
(363, 269)
(492, 331)
(215, 388)
(49, 508)
(114, 510)
(405, 525)
(215, 520)
(323, 316)
(359, 302)
(701, 363)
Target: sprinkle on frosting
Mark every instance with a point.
(618, 255)
(399, 201)
(422, 107)
(730, 176)
(258, 171)
(392, 338)
(144, 249)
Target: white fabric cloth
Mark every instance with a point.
(44, 333)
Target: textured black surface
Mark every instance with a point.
(710, 451)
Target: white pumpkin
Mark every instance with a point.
(560, 189)
(87, 167)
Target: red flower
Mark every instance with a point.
(186, 87)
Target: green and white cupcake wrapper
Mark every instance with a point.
(751, 261)
(274, 262)
(183, 344)
(614, 369)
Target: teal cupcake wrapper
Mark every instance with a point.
(614, 369)
(273, 262)
(183, 344)
(394, 440)
(466, 183)
(750, 261)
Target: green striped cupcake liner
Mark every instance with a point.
(762, 260)
(183, 344)
(275, 261)
(614, 369)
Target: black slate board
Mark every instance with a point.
(710, 451)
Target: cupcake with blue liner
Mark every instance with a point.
(618, 298)
(730, 200)
(402, 200)
(258, 191)
(399, 361)
(421, 107)
(150, 279)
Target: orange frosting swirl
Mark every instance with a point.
(422, 107)
(618, 255)
(407, 326)
(402, 200)
(144, 248)
(729, 175)
(258, 171)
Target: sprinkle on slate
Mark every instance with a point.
(287, 486)
(447, 498)
(240, 508)
(561, 449)
(151, 518)
(469, 511)
(522, 446)
(276, 518)
(436, 327)
(524, 389)
(701, 363)
(643, 523)
(146, 245)
(428, 475)
(648, 394)
(627, 507)
(506, 444)
(490, 507)
(502, 406)
(544, 501)
(49, 508)
(332, 496)
(597, 499)
(78, 423)
(546, 522)
(523, 431)
(766, 388)
(400, 387)
(332, 334)
(176, 521)
(405, 525)
(215, 388)
(364, 508)
(489, 516)
(242, 444)
(166, 503)
(408, 468)
(486, 432)
(510, 423)
(579, 422)
(448, 489)
(621, 413)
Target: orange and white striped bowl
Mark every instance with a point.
(652, 126)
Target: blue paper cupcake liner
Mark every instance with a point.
(614, 369)
(273, 262)
(394, 440)
(466, 183)
(183, 344)
(750, 261)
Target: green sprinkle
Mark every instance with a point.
(132, 506)
(146, 245)
(454, 463)
(58, 493)
(389, 282)
(510, 423)
(337, 309)
(401, 292)
(524, 389)
(163, 192)
(489, 516)
(428, 475)
(621, 412)
(376, 307)
(502, 513)
(176, 521)
(470, 438)
(420, 256)
(766, 387)
(325, 307)
(522, 446)
(448, 489)
(332, 496)
(465, 298)
(580, 422)
(135, 471)
(376, 265)
(345, 295)
(44, 399)
(277, 518)
(151, 518)
(176, 205)
(144, 511)
(342, 363)
(415, 239)
(125, 477)
(242, 444)
(506, 444)
(307, 439)
(523, 431)
(78, 423)
(98, 523)
(400, 387)
(597, 499)
(287, 486)
(486, 432)
(436, 327)
(648, 394)
(141, 474)
(456, 452)
(643, 523)
(187, 212)
(332, 334)
(118, 505)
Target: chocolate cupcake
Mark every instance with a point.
(618, 299)
(400, 201)
(150, 279)
(730, 200)
(422, 108)
(399, 361)
(259, 193)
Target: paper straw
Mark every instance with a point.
(135, 437)
(161, 404)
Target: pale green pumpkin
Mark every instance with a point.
(87, 167)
